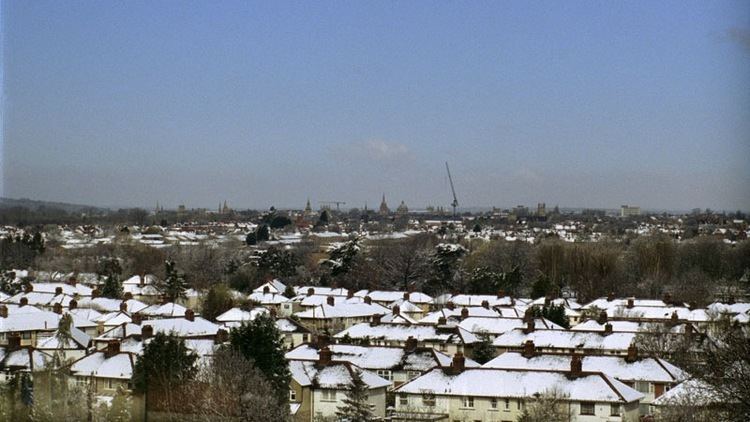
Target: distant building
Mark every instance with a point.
(521, 211)
(541, 209)
(629, 211)
(384, 210)
(402, 209)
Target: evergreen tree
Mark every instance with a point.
(263, 233)
(217, 301)
(554, 313)
(251, 239)
(109, 269)
(174, 284)
(112, 287)
(260, 341)
(355, 407)
(484, 351)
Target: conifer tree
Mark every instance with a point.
(355, 407)
(165, 365)
(110, 270)
(260, 341)
(174, 284)
(484, 351)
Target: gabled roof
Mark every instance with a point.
(77, 340)
(561, 339)
(400, 332)
(105, 304)
(483, 382)
(119, 366)
(183, 327)
(474, 311)
(34, 321)
(241, 315)
(645, 369)
(120, 332)
(344, 310)
(336, 375)
(498, 326)
(268, 298)
(274, 286)
(167, 310)
(25, 358)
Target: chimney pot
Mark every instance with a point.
(24, 301)
(310, 291)
(485, 304)
(72, 304)
(464, 313)
(458, 364)
(406, 295)
(189, 315)
(127, 296)
(368, 300)
(330, 300)
(58, 290)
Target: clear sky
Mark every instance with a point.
(596, 103)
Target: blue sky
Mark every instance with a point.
(591, 104)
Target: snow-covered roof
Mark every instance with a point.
(68, 289)
(344, 310)
(241, 315)
(496, 326)
(336, 375)
(400, 332)
(183, 327)
(268, 298)
(560, 339)
(484, 382)
(120, 332)
(166, 310)
(119, 366)
(77, 340)
(36, 321)
(473, 311)
(307, 301)
(274, 286)
(25, 358)
(645, 369)
(321, 291)
(392, 296)
(692, 392)
(105, 304)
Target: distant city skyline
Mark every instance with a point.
(581, 104)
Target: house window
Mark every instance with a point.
(110, 384)
(328, 395)
(26, 335)
(385, 373)
(587, 408)
(614, 410)
(642, 386)
(413, 374)
(493, 403)
(428, 400)
(292, 395)
(507, 405)
(468, 402)
(304, 338)
(403, 400)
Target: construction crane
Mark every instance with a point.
(327, 204)
(454, 204)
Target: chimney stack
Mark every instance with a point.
(72, 281)
(127, 296)
(458, 364)
(57, 308)
(602, 317)
(330, 300)
(266, 290)
(464, 313)
(576, 366)
(136, 319)
(667, 299)
(674, 319)
(349, 294)
(528, 315)
(632, 354)
(23, 302)
(406, 295)
(485, 304)
(411, 344)
(611, 296)
(631, 303)
(73, 304)
(95, 293)
(396, 309)
(58, 290)
(123, 306)
(450, 305)
(607, 329)
(28, 288)
(528, 349)
(530, 325)
(113, 348)
(375, 320)
(323, 340)
(147, 331)
(442, 321)
(310, 291)
(547, 300)
(324, 356)
(189, 315)
(500, 294)
(142, 279)
(3, 311)
(14, 342)
(368, 300)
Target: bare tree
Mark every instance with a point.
(550, 406)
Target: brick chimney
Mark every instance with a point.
(113, 348)
(731, 300)
(222, 336)
(272, 311)
(123, 306)
(464, 313)
(323, 340)
(528, 349)
(607, 329)
(266, 290)
(330, 300)
(147, 331)
(28, 288)
(375, 320)
(73, 304)
(442, 321)
(411, 344)
(324, 356)
(23, 302)
(189, 315)
(689, 329)
(127, 296)
(528, 315)
(631, 303)
(14, 342)
(95, 293)
(547, 300)
(136, 319)
(406, 295)
(674, 319)
(58, 290)
(576, 366)
(458, 364)
(310, 291)
(530, 325)
(602, 317)
(72, 281)
(396, 309)
(368, 300)
(667, 298)
(485, 304)
(349, 294)
(450, 305)
(142, 279)
(3, 311)
(57, 308)
(632, 354)
(611, 296)
(500, 294)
